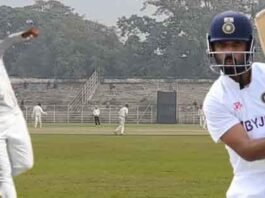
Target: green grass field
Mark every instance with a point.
(90, 162)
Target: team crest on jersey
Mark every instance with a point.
(237, 106)
(228, 26)
(263, 97)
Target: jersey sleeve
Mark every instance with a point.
(218, 118)
(9, 41)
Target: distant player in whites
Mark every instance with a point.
(123, 112)
(201, 117)
(96, 113)
(16, 155)
(36, 114)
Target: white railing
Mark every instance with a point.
(137, 114)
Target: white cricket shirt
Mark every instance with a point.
(96, 112)
(123, 112)
(227, 105)
(37, 111)
(8, 103)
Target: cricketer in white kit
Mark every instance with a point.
(16, 155)
(36, 114)
(123, 112)
(235, 105)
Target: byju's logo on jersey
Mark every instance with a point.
(237, 106)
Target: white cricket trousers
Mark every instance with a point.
(38, 120)
(16, 155)
(120, 128)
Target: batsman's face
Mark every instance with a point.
(230, 52)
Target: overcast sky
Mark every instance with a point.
(103, 11)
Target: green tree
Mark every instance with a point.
(180, 37)
(67, 46)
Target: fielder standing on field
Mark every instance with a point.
(235, 105)
(16, 155)
(36, 114)
(201, 117)
(123, 112)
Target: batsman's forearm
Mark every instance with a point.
(254, 150)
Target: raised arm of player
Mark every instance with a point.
(17, 37)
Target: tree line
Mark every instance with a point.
(169, 44)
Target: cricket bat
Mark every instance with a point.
(260, 25)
